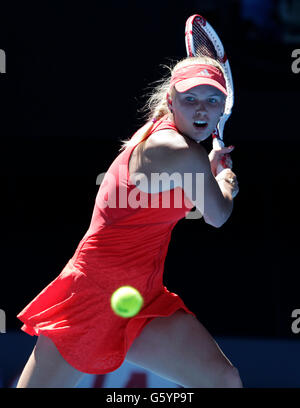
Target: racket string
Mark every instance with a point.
(203, 45)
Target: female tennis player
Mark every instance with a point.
(77, 330)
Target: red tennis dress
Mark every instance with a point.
(125, 244)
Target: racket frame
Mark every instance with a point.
(223, 60)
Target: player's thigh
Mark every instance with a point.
(179, 348)
(46, 368)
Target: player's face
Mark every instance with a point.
(197, 111)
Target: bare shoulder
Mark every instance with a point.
(166, 151)
(157, 154)
(171, 152)
(165, 140)
(167, 145)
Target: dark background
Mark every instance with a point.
(76, 76)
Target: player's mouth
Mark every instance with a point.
(200, 124)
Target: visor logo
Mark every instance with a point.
(204, 72)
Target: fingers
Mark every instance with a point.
(226, 161)
(234, 185)
(225, 150)
(228, 149)
(224, 157)
(227, 174)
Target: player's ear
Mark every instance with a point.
(169, 102)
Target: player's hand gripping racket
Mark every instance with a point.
(202, 40)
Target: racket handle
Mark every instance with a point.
(218, 144)
(221, 166)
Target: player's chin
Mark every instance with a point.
(202, 135)
(198, 135)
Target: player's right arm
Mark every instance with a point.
(217, 204)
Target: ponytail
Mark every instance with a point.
(145, 130)
(138, 137)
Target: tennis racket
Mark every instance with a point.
(202, 40)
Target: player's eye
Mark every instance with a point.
(190, 99)
(213, 100)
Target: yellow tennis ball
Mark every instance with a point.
(126, 301)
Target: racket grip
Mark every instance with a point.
(220, 167)
(218, 144)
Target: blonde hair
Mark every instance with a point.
(157, 106)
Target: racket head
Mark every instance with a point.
(202, 40)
